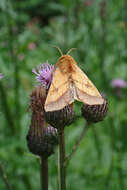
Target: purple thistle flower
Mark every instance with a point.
(118, 83)
(1, 76)
(44, 74)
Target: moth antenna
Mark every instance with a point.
(59, 50)
(71, 50)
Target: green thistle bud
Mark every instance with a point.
(60, 118)
(95, 113)
(42, 141)
(41, 137)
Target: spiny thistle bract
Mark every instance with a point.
(42, 141)
(60, 118)
(94, 113)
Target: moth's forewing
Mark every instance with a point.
(59, 94)
(85, 90)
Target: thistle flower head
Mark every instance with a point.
(118, 83)
(41, 141)
(60, 118)
(1, 76)
(41, 137)
(44, 74)
(94, 113)
(88, 3)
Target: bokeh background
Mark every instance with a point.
(28, 32)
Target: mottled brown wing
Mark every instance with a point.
(59, 94)
(86, 92)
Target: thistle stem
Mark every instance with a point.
(75, 147)
(57, 154)
(5, 179)
(62, 159)
(97, 143)
(44, 173)
(102, 52)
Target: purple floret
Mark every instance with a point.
(1, 76)
(118, 83)
(44, 74)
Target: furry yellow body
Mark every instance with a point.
(70, 83)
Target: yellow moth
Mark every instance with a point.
(70, 83)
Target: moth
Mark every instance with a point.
(70, 83)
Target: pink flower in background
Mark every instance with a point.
(31, 46)
(44, 74)
(33, 22)
(88, 3)
(1, 76)
(21, 56)
(4, 44)
(118, 83)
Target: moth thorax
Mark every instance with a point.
(66, 64)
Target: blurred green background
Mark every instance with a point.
(28, 32)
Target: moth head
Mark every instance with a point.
(66, 62)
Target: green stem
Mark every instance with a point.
(62, 159)
(57, 154)
(4, 178)
(13, 56)
(114, 139)
(109, 176)
(12, 41)
(75, 147)
(103, 17)
(6, 108)
(44, 173)
(97, 142)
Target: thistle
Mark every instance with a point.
(60, 118)
(94, 113)
(42, 142)
(44, 74)
(41, 137)
(1, 76)
(118, 85)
